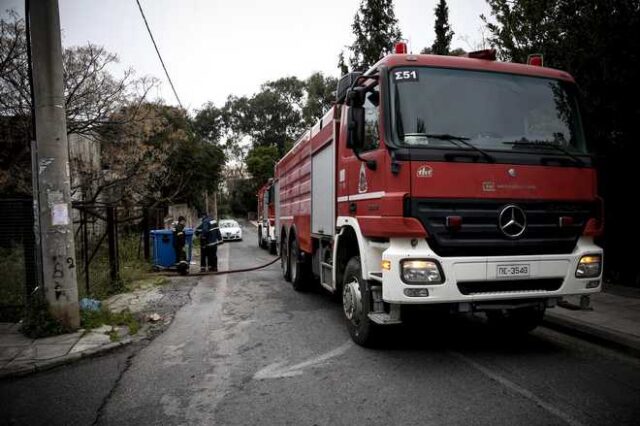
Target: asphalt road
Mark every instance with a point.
(247, 349)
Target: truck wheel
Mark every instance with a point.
(297, 269)
(284, 261)
(356, 304)
(273, 248)
(516, 321)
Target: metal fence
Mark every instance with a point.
(18, 271)
(112, 248)
(112, 241)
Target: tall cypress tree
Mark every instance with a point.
(444, 34)
(376, 29)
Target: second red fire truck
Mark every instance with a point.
(460, 183)
(266, 218)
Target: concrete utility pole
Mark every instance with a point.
(56, 224)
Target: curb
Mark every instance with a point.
(594, 333)
(36, 367)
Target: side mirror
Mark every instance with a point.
(355, 141)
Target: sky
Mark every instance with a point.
(215, 48)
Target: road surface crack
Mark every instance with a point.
(107, 398)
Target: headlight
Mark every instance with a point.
(589, 266)
(421, 272)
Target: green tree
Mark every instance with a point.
(289, 89)
(271, 117)
(241, 196)
(444, 34)
(261, 161)
(530, 26)
(196, 168)
(375, 28)
(194, 164)
(320, 95)
(154, 161)
(213, 125)
(597, 42)
(208, 123)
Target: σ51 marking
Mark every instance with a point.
(405, 75)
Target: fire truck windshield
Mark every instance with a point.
(491, 111)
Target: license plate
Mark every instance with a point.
(510, 271)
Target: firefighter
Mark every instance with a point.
(210, 238)
(179, 240)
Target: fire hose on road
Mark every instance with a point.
(229, 271)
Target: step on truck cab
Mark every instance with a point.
(460, 183)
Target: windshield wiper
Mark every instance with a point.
(463, 140)
(546, 144)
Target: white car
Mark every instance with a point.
(230, 230)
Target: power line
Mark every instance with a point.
(159, 56)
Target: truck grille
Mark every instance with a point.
(480, 234)
(480, 287)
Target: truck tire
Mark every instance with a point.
(356, 305)
(516, 321)
(297, 268)
(273, 248)
(284, 260)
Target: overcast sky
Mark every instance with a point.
(214, 48)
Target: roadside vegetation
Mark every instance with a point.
(134, 271)
(12, 290)
(94, 319)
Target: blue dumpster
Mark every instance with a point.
(164, 254)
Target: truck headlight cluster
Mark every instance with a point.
(421, 272)
(589, 266)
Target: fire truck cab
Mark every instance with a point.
(457, 183)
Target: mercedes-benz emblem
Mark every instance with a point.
(512, 221)
(512, 172)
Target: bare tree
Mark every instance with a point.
(15, 107)
(95, 101)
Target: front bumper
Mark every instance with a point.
(232, 237)
(473, 279)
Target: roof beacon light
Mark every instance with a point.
(535, 59)
(400, 48)
(487, 54)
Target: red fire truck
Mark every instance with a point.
(266, 218)
(458, 183)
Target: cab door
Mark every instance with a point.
(366, 179)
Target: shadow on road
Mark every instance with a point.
(435, 331)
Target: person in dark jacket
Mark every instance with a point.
(210, 238)
(179, 241)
